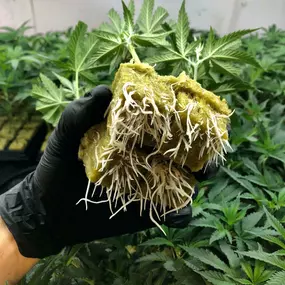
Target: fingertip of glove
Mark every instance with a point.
(101, 91)
(196, 191)
(206, 173)
(180, 219)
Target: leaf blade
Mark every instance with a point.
(182, 29)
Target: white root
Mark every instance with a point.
(213, 142)
(164, 185)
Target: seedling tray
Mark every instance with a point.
(21, 138)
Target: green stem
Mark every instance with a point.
(9, 108)
(195, 67)
(77, 96)
(133, 53)
(174, 253)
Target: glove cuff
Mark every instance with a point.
(24, 215)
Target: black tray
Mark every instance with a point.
(32, 148)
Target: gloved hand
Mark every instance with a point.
(41, 211)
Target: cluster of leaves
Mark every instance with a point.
(22, 59)
(236, 235)
(173, 47)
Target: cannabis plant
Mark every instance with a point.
(22, 58)
(236, 235)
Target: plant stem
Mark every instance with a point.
(133, 53)
(195, 72)
(77, 96)
(174, 253)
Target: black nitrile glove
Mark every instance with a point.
(41, 211)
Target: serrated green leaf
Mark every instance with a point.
(260, 274)
(207, 257)
(172, 38)
(128, 20)
(117, 59)
(218, 235)
(75, 42)
(116, 20)
(258, 180)
(224, 42)
(104, 52)
(145, 17)
(163, 56)
(50, 100)
(170, 266)
(235, 56)
(108, 37)
(158, 18)
(215, 277)
(50, 87)
(217, 188)
(230, 87)
(186, 276)
(251, 165)
(151, 39)
(265, 257)
(246, 267)
(209, 221)
(106, 27)
(156, 256)
(132, 8)
(232, 257)
(251, 220)
(275, 223)
(210, 41)
(190, 48)
(64, 81)
(239, 179)
(277, 279)
(182, 29)
(261, 231)
(81, 47)
(243, 281)
(226, 68)
(274, 240)
(157, 241)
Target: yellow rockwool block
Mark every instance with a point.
(172, 118)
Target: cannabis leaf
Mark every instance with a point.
(232, 257)
(182, 29)
(275, 223)
(81, 48)
(116, 20)
(145, 17)
(277, 279)
(216, 278)
(128, 20)
(207, 257)
(251, 220)
(156, 256)
(201, 59)
(225, 45)
(50, 99)
(157, 241)
(265, 257)
(131, 8)
(150, 22)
